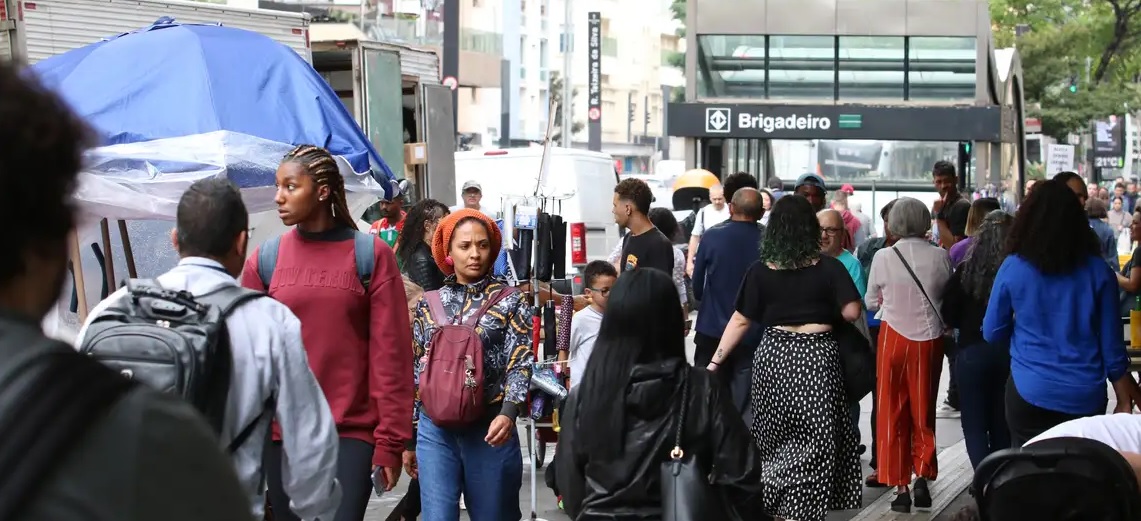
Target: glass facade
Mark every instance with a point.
(872, 67)
(861, 161)
(881, 68)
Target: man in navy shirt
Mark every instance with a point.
(725, 254)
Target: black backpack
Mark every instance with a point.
(173, 342)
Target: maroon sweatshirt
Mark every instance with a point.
(359, 346)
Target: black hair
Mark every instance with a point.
(943, 169)
(775, 183)
(1067, 176)
(642, 324)
(887, 210)
(734, 182)
(792, 238)
(412, 235)
(320, 164)
(595, 269)
(211, 216)
(1051, 230)
(41, 153)
(663, 219)
(635, 191)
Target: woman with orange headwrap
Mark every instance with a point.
(481, 460)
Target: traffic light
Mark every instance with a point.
(1073, 85)
(647, 117)
(632, 107)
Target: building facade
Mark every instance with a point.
(861, 90)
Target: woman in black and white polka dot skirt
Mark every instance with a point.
(808, 447)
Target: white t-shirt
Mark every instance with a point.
(708, 217)
(584, 331)
(1120, 431)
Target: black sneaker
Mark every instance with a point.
(922, 494)
(901, 503)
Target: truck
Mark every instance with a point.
(32, 30)
(382, 83)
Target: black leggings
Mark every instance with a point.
(354, 473)
(1027, 420)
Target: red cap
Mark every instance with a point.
(848, 188)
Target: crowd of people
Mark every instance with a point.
(353, 362)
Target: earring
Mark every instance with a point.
(448, 260)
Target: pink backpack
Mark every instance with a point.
(451, 385)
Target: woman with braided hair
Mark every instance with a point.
(345, 287)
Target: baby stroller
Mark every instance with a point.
(1062, 479)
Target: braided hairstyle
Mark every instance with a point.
(319, 164)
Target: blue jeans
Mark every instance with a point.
(452, 461)
(982, 370)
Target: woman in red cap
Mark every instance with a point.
(481, 459)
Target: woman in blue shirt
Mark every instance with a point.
(1055, 300)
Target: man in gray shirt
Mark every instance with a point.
(147, 456)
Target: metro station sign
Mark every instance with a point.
(904, 123)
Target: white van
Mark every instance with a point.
(582, 181)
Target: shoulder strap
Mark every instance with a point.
(269, 408)
(487, 304)
(228, 298)
(919, 284)
(436, 307)
(364, 247)
(56, 399)
(679, 421)
(267, 260)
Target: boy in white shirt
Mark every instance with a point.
(599, 276)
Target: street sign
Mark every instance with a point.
(594, 114)
(450, 82)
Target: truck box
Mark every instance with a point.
(32, 30)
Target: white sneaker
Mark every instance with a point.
(946, 411)
(463, 506)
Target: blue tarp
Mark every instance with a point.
(205, 87)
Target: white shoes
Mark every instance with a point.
(462, 505)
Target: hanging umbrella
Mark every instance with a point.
(172, 103)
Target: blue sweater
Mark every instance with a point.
(725, 253)
(1064, 331)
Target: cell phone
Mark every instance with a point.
(379, 483)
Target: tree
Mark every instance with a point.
(677, 59)
(556, 88)
(1093, 45)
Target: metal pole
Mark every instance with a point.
(451, 48)
(568, 89)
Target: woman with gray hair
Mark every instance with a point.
(906, 284)
(982, 368)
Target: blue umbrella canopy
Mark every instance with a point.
(183, 101)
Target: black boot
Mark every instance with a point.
(901, 503)
(922, 494)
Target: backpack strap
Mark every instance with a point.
(436, 307)
(56, 398)
(364, 248)
(269, 408)
(487, 304)
(228, 298)
(267, 260)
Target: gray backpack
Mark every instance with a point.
(173, 342)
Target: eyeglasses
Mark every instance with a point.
(830, 231)
(604, 291)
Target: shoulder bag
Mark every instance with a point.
(688, 493)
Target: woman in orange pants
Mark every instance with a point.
(906, 282)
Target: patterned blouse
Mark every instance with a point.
(506, 334)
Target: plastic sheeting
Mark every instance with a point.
(145, 180)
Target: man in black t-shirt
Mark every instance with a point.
(951, 209)
(645, 246)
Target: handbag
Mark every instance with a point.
(857, 359)
(687, 487)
